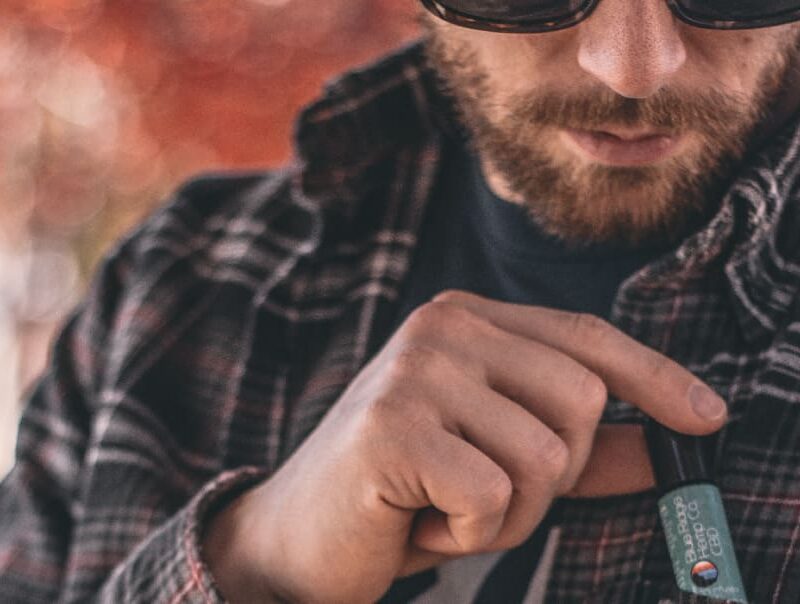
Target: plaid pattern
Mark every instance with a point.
(216, 337)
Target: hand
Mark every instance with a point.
(454, 440)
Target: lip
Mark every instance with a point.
(620, 147)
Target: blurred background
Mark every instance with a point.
(106, 105)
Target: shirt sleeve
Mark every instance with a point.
(48, 551)
(38, 497)
(168, 566)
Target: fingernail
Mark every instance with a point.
(706, 403)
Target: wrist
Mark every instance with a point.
(230, 547)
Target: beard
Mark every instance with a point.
(583, 203)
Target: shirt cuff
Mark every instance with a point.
(168, 568)
(214, 496)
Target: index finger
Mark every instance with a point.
(654, 383)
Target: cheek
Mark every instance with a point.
(524, 64)
(735, 62)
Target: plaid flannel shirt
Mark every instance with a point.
(216, 337)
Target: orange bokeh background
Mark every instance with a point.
(142, 93)
(105, 106)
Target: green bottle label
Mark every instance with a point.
(700, 543)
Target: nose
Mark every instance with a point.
(633, 46)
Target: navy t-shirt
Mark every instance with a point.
(472, 240)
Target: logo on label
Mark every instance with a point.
(705, 573)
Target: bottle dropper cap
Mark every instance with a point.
(678, 459)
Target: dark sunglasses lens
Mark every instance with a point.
(516, 11)
(739, 10)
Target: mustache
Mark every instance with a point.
(709, 113)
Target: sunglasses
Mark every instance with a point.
(538, 16)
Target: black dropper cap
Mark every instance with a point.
(678, 459)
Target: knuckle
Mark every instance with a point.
(379, 415)
(424, 319)
(438, 319)
(431, 317)
(494, 498)
(387, 430)
(591, 328)
(393, 415)
(592, 394)
(452, 296)
(551, 458)
(414, 361)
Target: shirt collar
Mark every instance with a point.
(755, 234)
(362, 118)
(764, 269)
(369, 114)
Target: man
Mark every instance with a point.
(278, 389)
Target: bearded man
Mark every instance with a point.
(414, 367)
